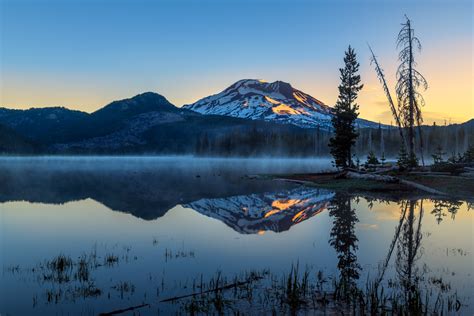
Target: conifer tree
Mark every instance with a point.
(345, 112)
(438, 155)
(372, 159)
(403, 161)
(383, 159)
(468, 156)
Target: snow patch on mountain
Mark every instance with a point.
(275, 102)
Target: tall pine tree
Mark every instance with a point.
(345, 112)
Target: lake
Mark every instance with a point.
(91, 235)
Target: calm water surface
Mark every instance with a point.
(151, 228)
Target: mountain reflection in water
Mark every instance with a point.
(246, 205)
(406, 255)
(146, 190)
(275, 211)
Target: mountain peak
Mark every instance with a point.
(261, 100)
(276, 86)
(141, 103)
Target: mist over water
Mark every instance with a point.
(159, 224)
(238, 165)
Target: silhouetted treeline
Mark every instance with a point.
(259, 139)
(313, 142)
(453, 139)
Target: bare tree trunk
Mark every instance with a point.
(411, 220)
(395, 114)
(411, 130)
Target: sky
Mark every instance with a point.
(84, 54)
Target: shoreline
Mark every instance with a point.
(410, 186)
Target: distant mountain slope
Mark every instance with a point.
(275, 102)
(171, 133)
(146, 123)
(117, 114)
(11, 142)
(60, 125)
(45, 125)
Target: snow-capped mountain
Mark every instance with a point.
(257, 213)
(276, 102)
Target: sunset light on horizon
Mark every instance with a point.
(106, 51)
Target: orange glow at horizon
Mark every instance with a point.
(449, 96)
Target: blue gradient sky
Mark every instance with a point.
(84, 54)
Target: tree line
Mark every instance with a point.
(453, 139)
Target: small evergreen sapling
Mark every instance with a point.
(372, 159)
(468, 156)
(438, 155)
(403, 161)
(382, 159)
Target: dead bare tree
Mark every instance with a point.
(409, 82)
(407, 114)
(381, 76)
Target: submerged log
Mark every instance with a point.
(216, 289)
(124, 310)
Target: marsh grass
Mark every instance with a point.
(83, 269)
(111, 260)
(124, 287)
(301, 292)
(297, 288)
(13, 269)
(67, 279)
(170, 254)
(86, 290)
(59, 269)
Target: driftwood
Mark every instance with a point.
(371, 176)
(390, 179)
(382, 170)
(430, 173)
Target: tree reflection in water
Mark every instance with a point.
(408, 296)
(409, 293)
(408, 252)
(451, 206)
(344, 241)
